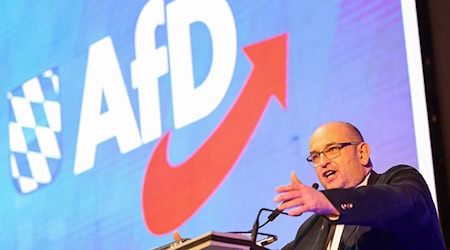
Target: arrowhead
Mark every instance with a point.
(269, 60)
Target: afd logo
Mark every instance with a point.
(105, 84)
(35, 132)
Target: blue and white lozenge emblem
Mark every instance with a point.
(35, 132)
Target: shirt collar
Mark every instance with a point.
(365, 181)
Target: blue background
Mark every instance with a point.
(346, 61)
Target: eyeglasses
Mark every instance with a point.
(332, 151)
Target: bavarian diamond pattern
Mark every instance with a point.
(35, 132)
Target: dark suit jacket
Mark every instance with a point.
(394, 211)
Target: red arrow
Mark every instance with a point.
(172, 194)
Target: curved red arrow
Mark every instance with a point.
(172, 194)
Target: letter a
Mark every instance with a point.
(104, 78)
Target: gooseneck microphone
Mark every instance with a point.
(277, 212)
(271, 217)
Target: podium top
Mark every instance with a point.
(219, 241)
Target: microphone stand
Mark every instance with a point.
(270, 218)
(256, 226)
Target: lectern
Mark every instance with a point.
(217, 241)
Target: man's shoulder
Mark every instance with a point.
(396, 171)
(400, 168)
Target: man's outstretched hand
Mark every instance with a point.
(301, 198)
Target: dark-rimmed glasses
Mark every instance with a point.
(331, 151)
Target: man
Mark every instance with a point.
(359, 209)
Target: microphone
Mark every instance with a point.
(277, 212)
(271, 217)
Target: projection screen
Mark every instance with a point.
(123, 122)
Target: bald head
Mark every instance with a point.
(344, 130)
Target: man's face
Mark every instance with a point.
(345, 171)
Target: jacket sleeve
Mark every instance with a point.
(400, 200)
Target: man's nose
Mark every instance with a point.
(323, 160)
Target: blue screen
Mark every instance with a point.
(123, 122)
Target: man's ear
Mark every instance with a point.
(364, 153)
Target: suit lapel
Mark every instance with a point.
(349, 235)
(313, 235)
(373, 178)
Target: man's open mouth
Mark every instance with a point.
(329, 173)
